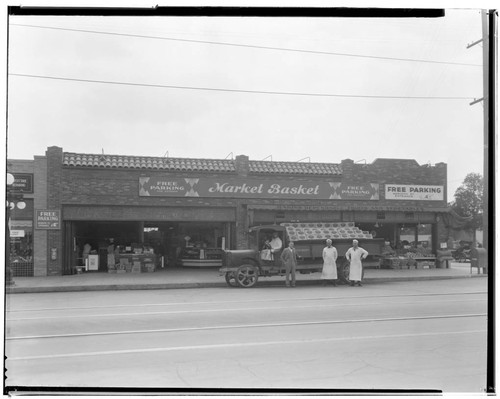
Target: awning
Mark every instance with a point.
(350, 207)
(454, 221)
(20, 224)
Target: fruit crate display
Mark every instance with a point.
(322, 231)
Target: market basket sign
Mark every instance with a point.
(255, 188)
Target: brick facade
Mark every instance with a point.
(54, 196)
(40, 247)
(105, 192)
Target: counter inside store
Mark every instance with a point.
(135, 258)
(200, 255)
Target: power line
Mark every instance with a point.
(251, 46)
(235, 90)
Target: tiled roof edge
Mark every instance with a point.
(143, 156)
(73, 159)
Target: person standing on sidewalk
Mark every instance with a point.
(111, 254)
(289, 258)
(355, 255)
(86, 252)
(330, 255)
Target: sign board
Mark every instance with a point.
(354, 191)
(255, 188)
(93, 262)
(16, 233)
(47, 219)
(414, 192)
(23, 183)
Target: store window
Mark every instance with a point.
(408, 234)
(21, 252)
(417, 236)
(21, 247)
(425, 234)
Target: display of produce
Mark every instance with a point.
(322, 231)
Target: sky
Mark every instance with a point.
(199, 87)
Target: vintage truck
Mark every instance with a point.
(243, 267)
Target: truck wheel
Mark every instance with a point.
(343, 271)
(247, 276)
(231, 279)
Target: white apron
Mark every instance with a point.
(354, 257)
(329, 265)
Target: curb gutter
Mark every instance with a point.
(121, 287)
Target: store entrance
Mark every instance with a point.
(189, 244)
(165, 244)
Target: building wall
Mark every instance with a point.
(54, 195)
(88, 193)
(40, 202)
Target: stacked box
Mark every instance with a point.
(392, 262)
(136, 267)
(422, 263)
(150, 267)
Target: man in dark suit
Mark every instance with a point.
(289, 258)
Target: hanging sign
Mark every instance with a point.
(23, 183)
(414, 192)
(47, 219)
(255, 188)
(17, 233)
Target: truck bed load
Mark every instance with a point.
(323, 231)
(309, 238)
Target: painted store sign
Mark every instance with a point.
(414, 192)
(355, 191)
(254, 188)
(23, 183)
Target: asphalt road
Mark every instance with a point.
(401, 335)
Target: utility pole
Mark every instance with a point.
(488, 19)
(486, 102)
(485, 40)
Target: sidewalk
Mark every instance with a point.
(201, 278)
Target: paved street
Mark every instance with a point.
(398, 335)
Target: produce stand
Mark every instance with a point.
(134, 263)
(407, 261)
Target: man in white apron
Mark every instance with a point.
(329, 272)
(354, 255)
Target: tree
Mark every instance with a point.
(469, 201)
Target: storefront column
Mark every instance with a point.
(140, 232)
(241, 227)
(54, 237)
(442, 232)
(435, 238)
(40, 202)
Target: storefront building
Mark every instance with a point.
(179, 211)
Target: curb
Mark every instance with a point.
(123, 287)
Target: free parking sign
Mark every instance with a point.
(47, 219)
